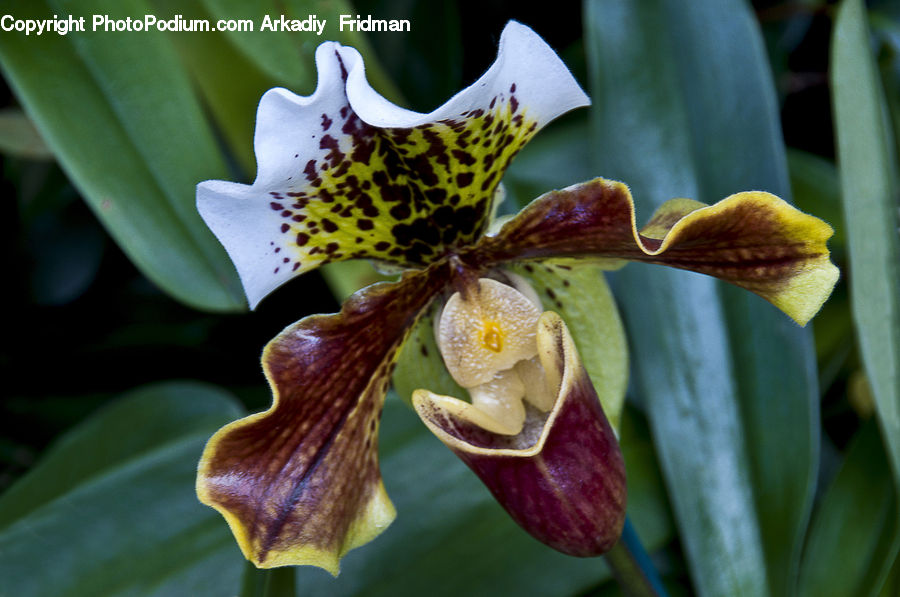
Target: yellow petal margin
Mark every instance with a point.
(752, 239)
(299, 483)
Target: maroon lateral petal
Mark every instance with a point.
(752, 239)
(300, 484)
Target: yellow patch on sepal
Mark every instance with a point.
(373, 518)
(813, 276)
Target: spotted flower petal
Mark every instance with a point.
(345, 174)
(753, 239)
(299, 483)
(562, 478)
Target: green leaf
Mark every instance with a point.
(685, 109)
(118, 111)
(111, 510)
(228, 80)
(19, 138)
(288, 57)
(849, 550)
(276, 582)
(870, 191)
(433, 72)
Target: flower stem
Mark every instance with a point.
(275, 582)
(632, 568)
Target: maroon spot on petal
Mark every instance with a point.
(302, 239)
(464, 179)
(400, 211)
(364, 224)
(276, 206)
(326, 122)
(513, 103)
(436, 195)
(328, 225)
(464, 158)
(285, 228)
(343, 68)
(310, 170)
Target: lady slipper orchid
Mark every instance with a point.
(345, 174)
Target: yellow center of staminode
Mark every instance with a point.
(492, 336)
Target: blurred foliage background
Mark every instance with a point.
(762, 459)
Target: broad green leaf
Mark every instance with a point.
(111, 510)
(229, 81)
(686, 109)
(891, 586)
(276, 582)
(19, 138)
(870, 192)
(851, 536)
(288, 57)
(119, 113)
(884, 19)
(431, 73)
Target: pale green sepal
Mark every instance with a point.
(123, 120)
(581, 297)
(420, 365)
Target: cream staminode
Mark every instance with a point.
(488, 344)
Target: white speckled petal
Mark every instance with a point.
(345, 174)
(526, 69)
(248, 219)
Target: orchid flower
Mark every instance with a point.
(345, 174)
